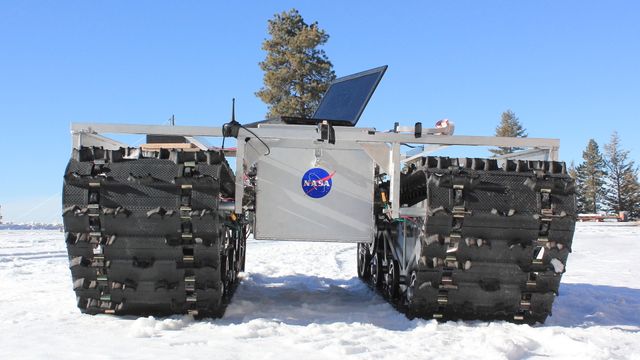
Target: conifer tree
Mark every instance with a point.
(573, 172)
(590, 179)
(622, 188)
(632, 187)
(509, 126)
(296, 71)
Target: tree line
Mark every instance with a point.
(607, 181)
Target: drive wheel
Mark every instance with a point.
(364, 259)
(376, 270)
(393, 279)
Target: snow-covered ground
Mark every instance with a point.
(303, 300)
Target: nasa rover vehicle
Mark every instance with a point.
(162, 228)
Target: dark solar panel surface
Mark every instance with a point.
(346, 98)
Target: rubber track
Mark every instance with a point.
(495, 240)
(144, 234)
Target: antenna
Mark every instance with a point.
(233, 110)
(230, 129)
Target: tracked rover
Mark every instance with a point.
(161, 228)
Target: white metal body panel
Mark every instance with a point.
(285, 211)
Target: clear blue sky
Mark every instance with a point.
(568, 69)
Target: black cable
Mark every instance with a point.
(407, 145)
(258, 137)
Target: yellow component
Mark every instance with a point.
(383, 195)
(234, 217)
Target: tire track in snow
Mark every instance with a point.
(342, 262)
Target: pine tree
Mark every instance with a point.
(573, 172)
(632, 187)
(509, 126)
(622, 188)
(296, 71)
(590, 179)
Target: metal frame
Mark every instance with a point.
(382, 147)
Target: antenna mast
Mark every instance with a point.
(233, 110)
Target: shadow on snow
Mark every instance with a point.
(585, 305)
(303, 300)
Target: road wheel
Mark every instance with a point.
(393, 279)
(364, 259)
(411, 288)
(376, 270)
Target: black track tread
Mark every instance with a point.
(499, 277)
(124, 216)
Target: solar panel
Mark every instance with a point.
(347, 97)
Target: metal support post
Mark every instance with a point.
(394, 175)
(239, 193)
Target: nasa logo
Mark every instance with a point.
(316, 182)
